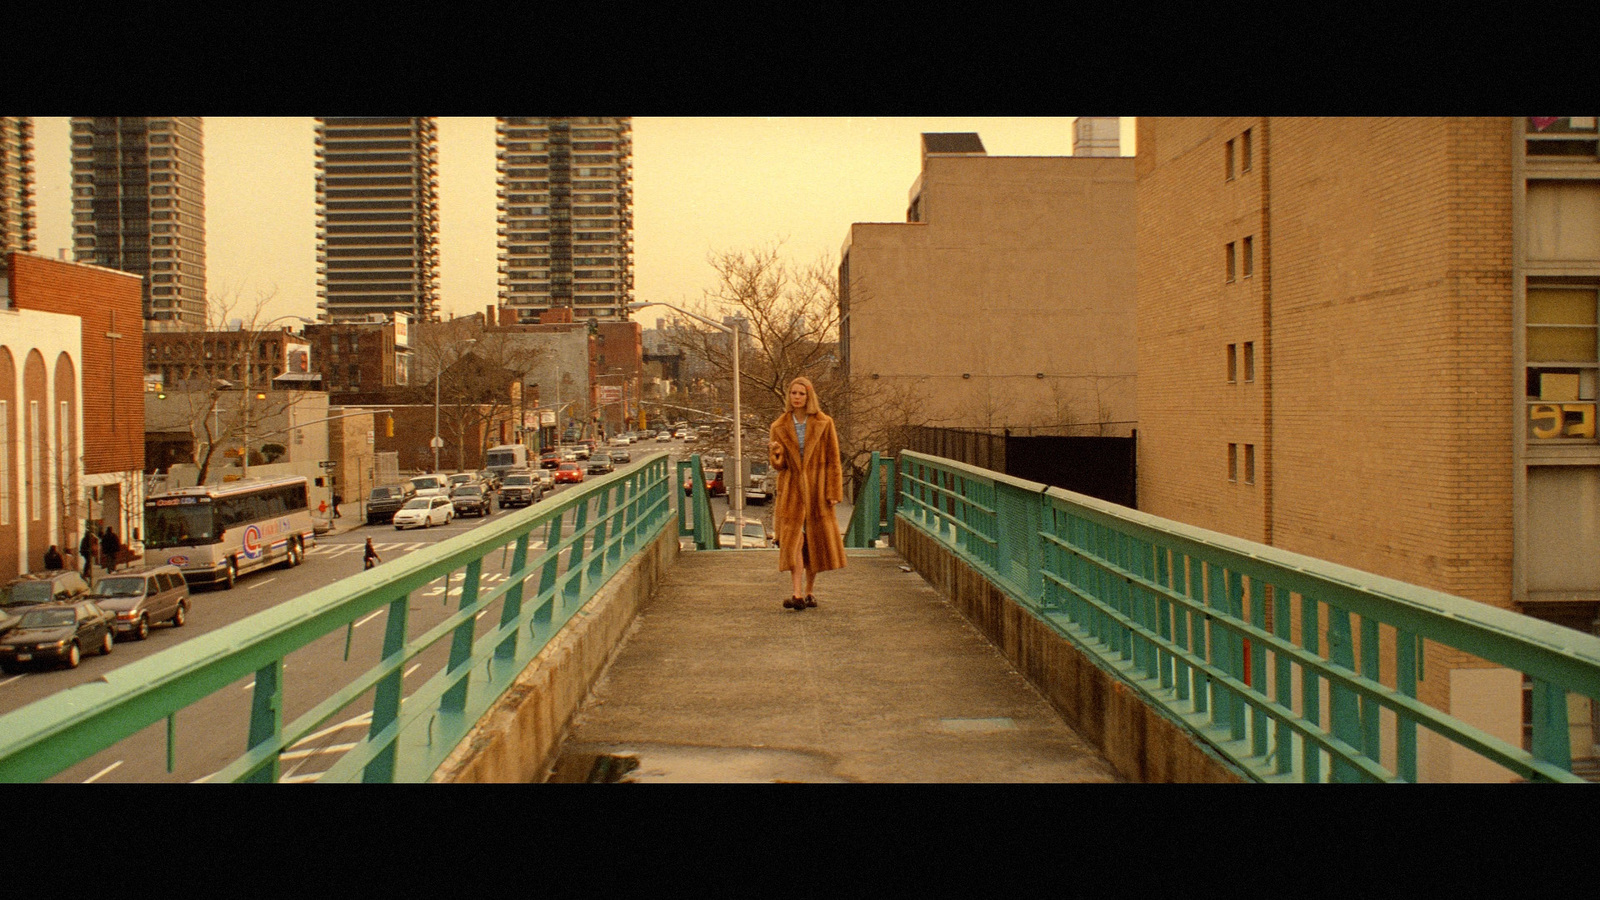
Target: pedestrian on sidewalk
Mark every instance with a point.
(109, 548)
(370, 557)
(336, 501)
(804, 451)
(53, 560)
(89, 549)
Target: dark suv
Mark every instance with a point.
(60, 586)
(385, 501)
(520, 489)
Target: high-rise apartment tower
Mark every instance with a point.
(139, 205)
(377, 218)
(565, 216)
(17, 222)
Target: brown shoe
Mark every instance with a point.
(810, 601)
(793, 603)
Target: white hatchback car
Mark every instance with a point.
(422, 512)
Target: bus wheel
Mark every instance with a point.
(230, 575)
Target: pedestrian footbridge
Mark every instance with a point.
(985, 629)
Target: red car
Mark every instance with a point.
(714, 485)
(569, 472)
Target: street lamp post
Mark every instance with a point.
(249, 360)
(438, 376)
(735, 497)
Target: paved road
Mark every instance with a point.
(211, 733)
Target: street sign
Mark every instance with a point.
(328, 464)
(436, 443)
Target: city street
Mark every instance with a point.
(211, 733)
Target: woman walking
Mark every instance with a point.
(804, 451)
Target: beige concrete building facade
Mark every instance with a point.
(1374, 341)
(1006, 297)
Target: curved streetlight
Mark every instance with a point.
(736, 497)
(438, 376)
(249, 360)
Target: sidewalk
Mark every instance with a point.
(883, 682)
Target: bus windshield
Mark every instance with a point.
(179, 526)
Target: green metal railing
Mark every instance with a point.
(1293, 668)
(694, 514)
(590, 532)
(872, 517)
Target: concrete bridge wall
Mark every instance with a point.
(1140, 742)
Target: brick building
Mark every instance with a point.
(1005, 298)
(357, 356)
(1373, 341)
(109, 306)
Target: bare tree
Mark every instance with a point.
(477, 371)
(224, 387)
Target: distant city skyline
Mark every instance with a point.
(701, 186)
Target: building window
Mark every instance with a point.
(5, 462)
(1233, 363)
(1233, 462)
(1563, 136)
(1249, 463)
(1232, 262)
(35, 478)
(1228, 159)
(1249, 256)
(1249, 361)
(1563, 359)
(1244, 150)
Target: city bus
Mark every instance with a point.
(215, 533)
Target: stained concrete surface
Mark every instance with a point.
(882, 682)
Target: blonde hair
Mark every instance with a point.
(813, 407)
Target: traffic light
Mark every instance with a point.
(388, 426)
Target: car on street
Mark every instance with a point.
(471, 498)
(621, 456)
(424, 512)
(756, 535)
(56, 633)
(137, 600)
(549, 459)
(520, 489)
(600, 464)
(490, 479)
(546, 479)
(386, 500)
(663, 436)
(714, 485)
(569, 473)
(58, 586)
(431, 486)
(461, 478)
(689, 436)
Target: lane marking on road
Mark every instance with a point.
(358, 720)
(414, 667)
(300, 779)
(313, 751)
(11, 679)
(106, 771)
(259, 582)
(369, 618)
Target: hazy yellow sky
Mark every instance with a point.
(701, 185)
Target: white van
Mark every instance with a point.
(505, 458)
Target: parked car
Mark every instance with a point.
(137, 600)
(56, 632)
(431, 486)
(385, 501)
(569, 473)
(58, 586)
(755, 534)
(424, 512)
(470, 498)
(600, 464)
(521, 489)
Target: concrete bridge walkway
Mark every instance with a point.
(883, 682)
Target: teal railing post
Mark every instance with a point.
(266, 718)
(386, 699)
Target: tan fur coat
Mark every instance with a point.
(808, 486)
